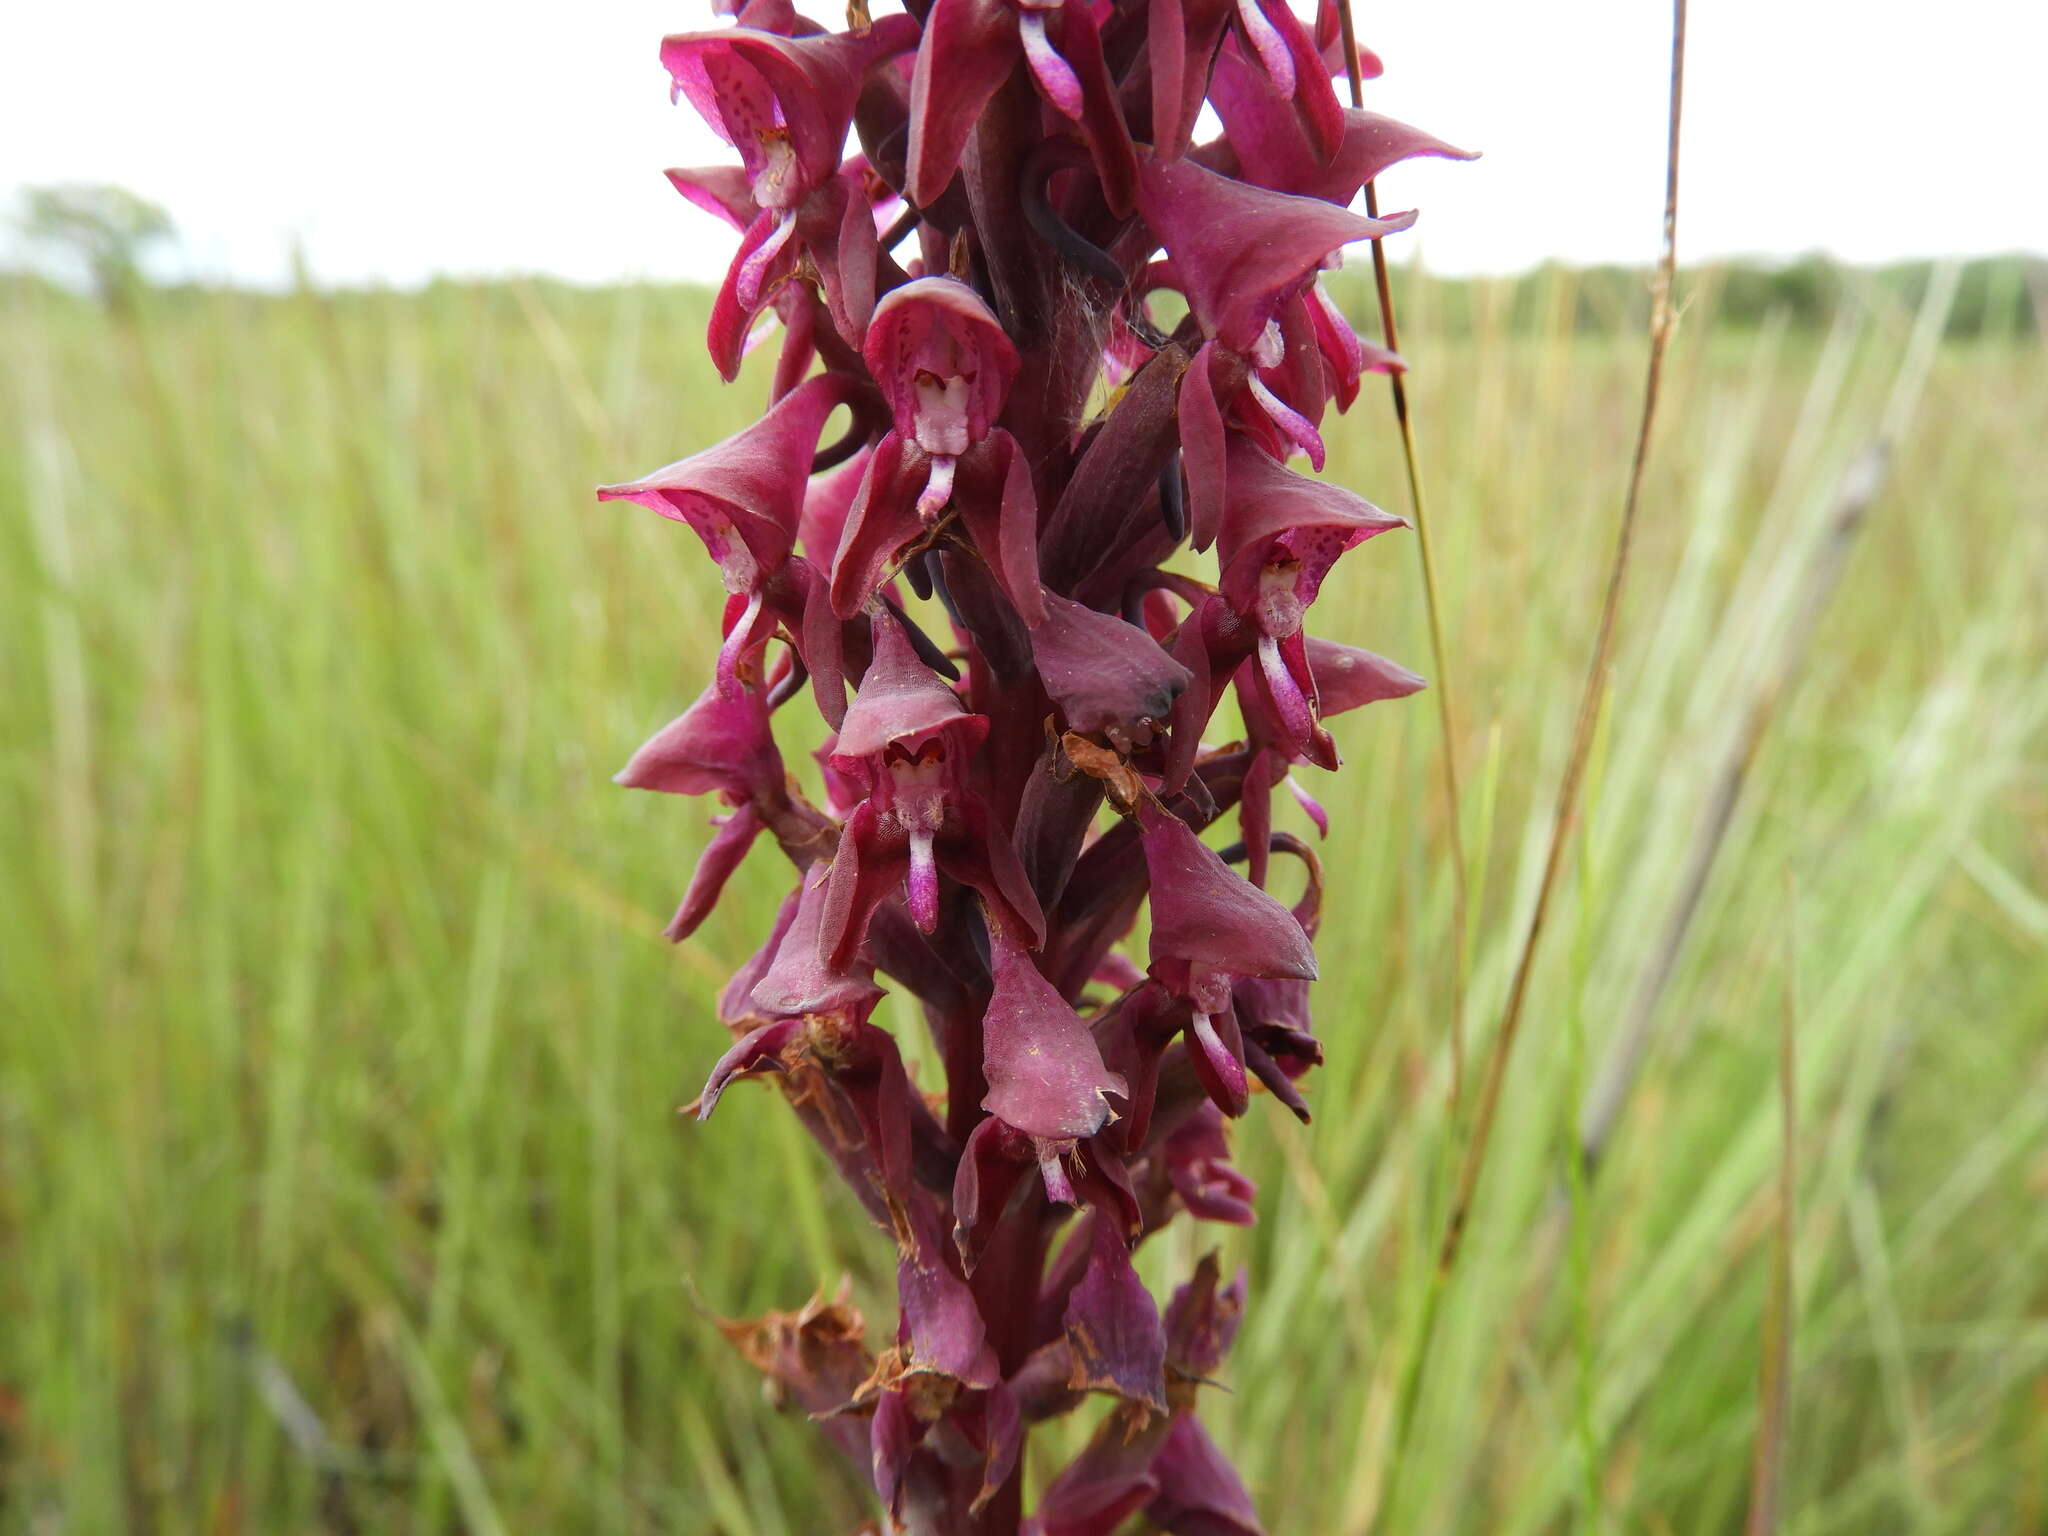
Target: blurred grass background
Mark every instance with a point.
(341, 1185)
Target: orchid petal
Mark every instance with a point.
(1347, 677)
(900, 701)
(1113, 1325)
(1310, 805)
(968, 49)
(1270, 46)
(1238, 250)
(753, 483)
(1045, 1072)
(1107, 676)
(1297, 428)
(1205, 912)
(1199, 1493)
(760, 1051)
(721, 856)
(721, 742)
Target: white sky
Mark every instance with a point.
(397, 140)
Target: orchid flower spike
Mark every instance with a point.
(1016, 822)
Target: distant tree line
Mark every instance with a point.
(1996, 296)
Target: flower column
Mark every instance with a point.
(968, 585)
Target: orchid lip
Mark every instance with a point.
(737, 567)
(753, 273)
(778, 182)
(922, 883)
(938, 488)
(1219, 1055)
(942, 412)
(730, 652)
(1208, 987)
(1299, 430)
(1052, 1168)
(1296, 712)
(1340, 327)
(1310, 805)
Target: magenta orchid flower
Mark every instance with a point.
(1241, 255)
(1210, 926)
(1264, 143)
(1015, 823)
(1163, 1465)
(1188, 46)
(744, 498)
(1341, 678)
(720, 746)
(1281, 534)
(908, 741)
(944, 366)
(786, 104)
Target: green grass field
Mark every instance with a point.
(341, 1183)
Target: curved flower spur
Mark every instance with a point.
(956, 215)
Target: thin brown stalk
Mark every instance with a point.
(1594, 694)
(1774, 1379)
(1438, 659)
(1591, 701)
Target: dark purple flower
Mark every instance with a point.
(1210, 926)
(1045, 1072)
(941, 1333)
(817, 1357)
(1200, 1493)
(1198, 1163)
(1341, 678)
(908, 740)
(944, 366)
(1162, 1464)
(785, 103)
(721, 745)
(1240, 255)
(1280, 535)
(1264, 141)
(1113, 1325)
(744, 498)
